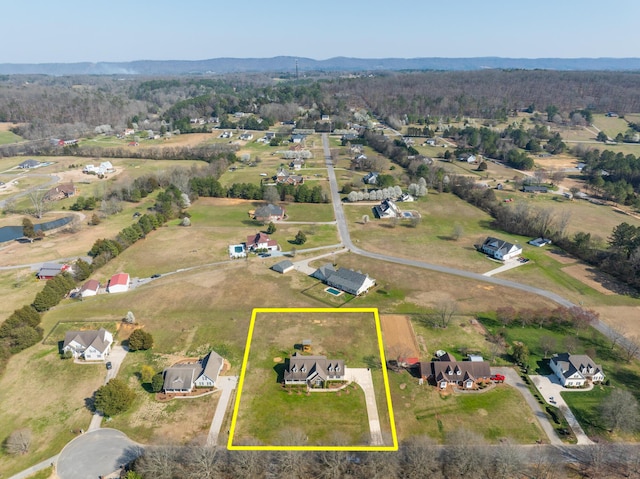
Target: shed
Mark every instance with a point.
(283, 266)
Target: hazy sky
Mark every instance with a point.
(39, 31)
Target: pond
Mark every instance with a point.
(10, 233)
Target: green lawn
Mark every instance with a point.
(7, 137)
(495, 414)
(584, 405)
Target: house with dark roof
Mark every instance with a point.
(352, 282)
(268, 213)
(386, 209)
(261, 242)
(371, 178)
(535, 189)
(90, 345)
(50, 270)
(500, 249)
(575, 370)
(448, 372)
(314, 371)
(184, 377)
(28, 164)
(283, 266)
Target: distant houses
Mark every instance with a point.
(500, 249)
(184, 377)
(535, 189)
(371, 178)
(100, 170)
(284, 177)
(347, 280)
(51, 270)
(29, 164)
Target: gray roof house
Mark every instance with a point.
(464, 374)
(500, 249)
(314, 371)
(371, 178)
(182, 378)
(28, 164)
(574, 370)
(352, 282)
(269, 212)
(91, 345)
(283, 266)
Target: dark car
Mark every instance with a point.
(154, 276)
(109, 365)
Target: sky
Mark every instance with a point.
(68, 31)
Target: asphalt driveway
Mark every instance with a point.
(96, 453)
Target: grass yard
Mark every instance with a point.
(610, 125)
(52, 398)
(432, 240)
(59, 331)
(496, 414)
(268, 412)
(7, 137)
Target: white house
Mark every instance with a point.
(574, 370)
(90, 288)
(261, 242)
(90, 345)
(500, 249)
(119, 283)
(386, 209)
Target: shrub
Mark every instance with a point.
(140, 340)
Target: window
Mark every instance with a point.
(337, 368)
(303, 369)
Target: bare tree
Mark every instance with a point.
(365, 219)
(201, 462)
(548, 343)
(444, 312)
(460, 457)
(161, 462)
(37, 198)
(419, 458)
(270, 194)
(570, 344)
(620, 411)
(18, 442)
(545, 463)
(630, 347)
(457, 232)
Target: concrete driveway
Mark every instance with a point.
(550, 388)
(362, 377)
(96, 453)
(118, 353)
(227, 384)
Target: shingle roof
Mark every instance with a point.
(282, 266)
(120, 278)
(307, 368)
(211, 365)
(96, 338)
(266, 211)
(449, 370)
(91, 285)
(50, 269)
(347, 279)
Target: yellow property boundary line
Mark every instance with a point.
(385, 376)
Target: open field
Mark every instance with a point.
(399, 338)
(432, 239)
(268, 413)
(7, 137)
(610, 125)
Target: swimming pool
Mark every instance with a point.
(333, 291)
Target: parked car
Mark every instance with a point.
(498, 378)
(109, 365)
(154, 276)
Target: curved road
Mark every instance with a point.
(345, 238)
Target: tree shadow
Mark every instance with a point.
(90, 403)
(280, 368)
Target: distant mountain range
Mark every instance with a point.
(337, 64)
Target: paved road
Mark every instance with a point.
(38, 467)
(512, 378)
(228, 385)
(362, 377)
(550, 388)
(96, 453)
(345, 238)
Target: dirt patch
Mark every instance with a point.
(277, 359)
(601, 282)
(399, 338)
(560, 256)
(624, 318)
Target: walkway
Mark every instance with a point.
(551, 389)
(362, 377)
(227, 384)
(512, 378)
(513, 263)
